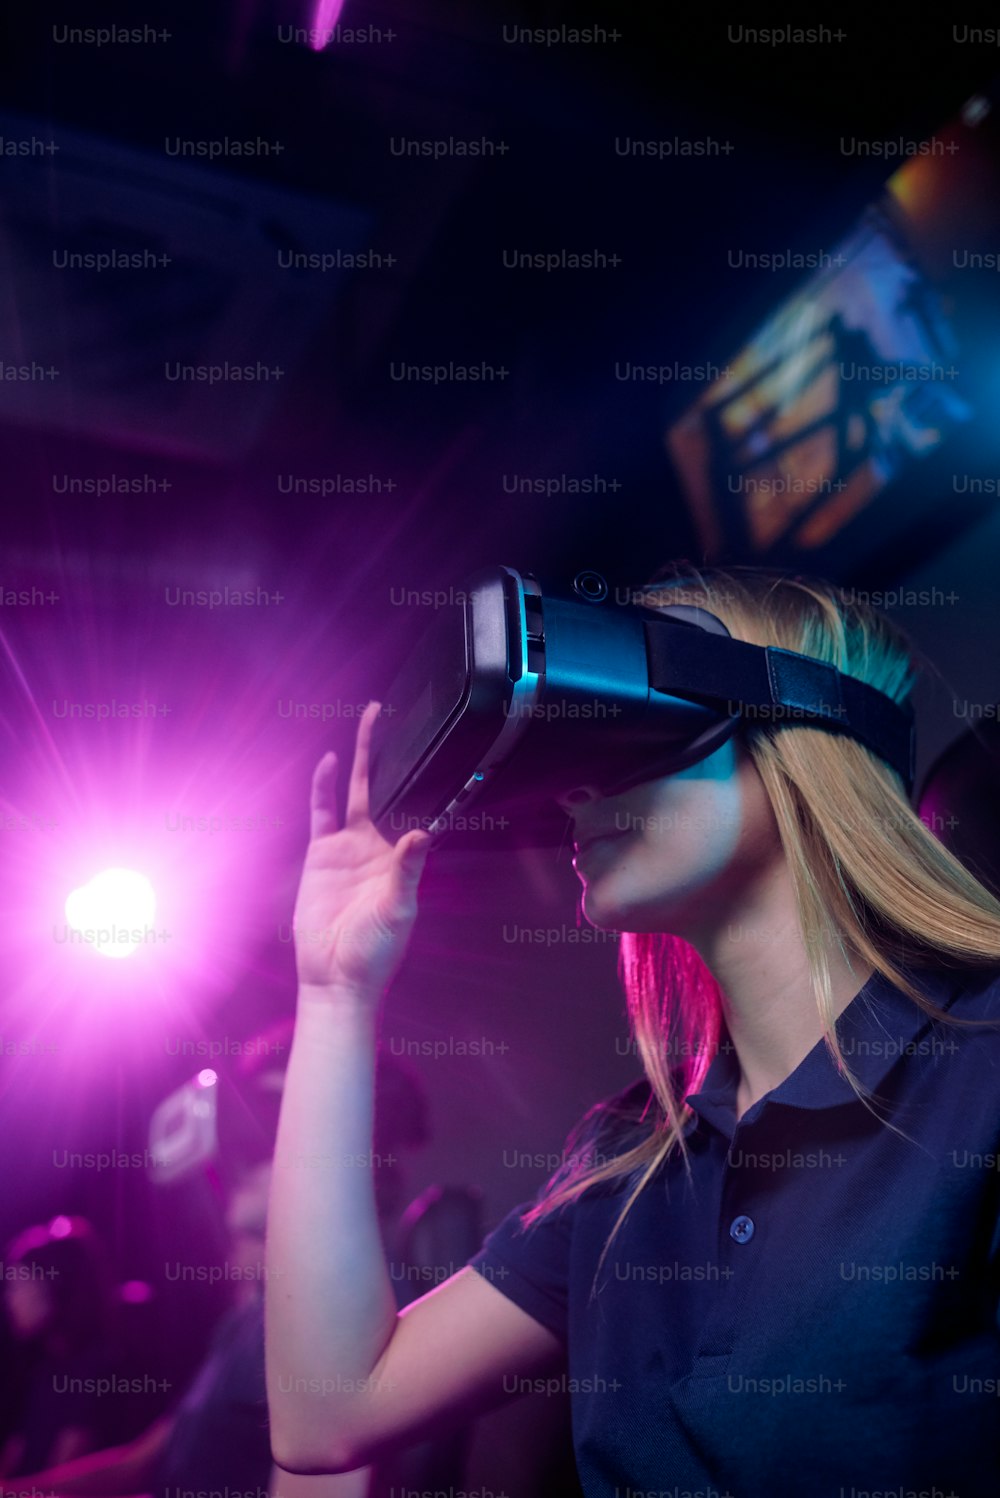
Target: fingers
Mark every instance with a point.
(357, 789)
(323, 818)
(323, 797)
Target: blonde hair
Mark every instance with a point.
(867, 873)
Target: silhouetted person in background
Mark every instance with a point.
(216, 1438)
(59, 1300)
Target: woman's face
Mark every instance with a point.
(672, 855)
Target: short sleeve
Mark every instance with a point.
(531, 1265)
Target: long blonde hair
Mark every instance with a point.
(867, 873)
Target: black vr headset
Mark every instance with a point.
(516, 695)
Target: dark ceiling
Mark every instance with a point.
(438, 71)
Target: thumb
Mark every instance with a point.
(408, 859)
(411, 853)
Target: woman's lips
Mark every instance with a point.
(584, 849)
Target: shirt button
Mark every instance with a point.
(741, 1228)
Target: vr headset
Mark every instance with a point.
(517, 694)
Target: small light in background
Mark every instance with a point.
(135, 1292)
(975, 110)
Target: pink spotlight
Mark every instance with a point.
(207, 1078)
(113, 912)
(60, 1227)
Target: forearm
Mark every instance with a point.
(330, 1304)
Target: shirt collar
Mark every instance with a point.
(879, 1025)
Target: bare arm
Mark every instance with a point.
(347, 1376)
(461, 1350)
(330, 1303)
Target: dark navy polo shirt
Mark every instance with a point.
(815, 1312)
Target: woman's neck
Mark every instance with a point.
(760, 961)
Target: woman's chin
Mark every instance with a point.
(604, 915)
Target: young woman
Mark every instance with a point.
(771, 1266)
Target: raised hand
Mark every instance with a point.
(357, 898)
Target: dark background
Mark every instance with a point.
(211, 465)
